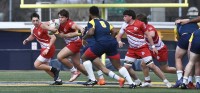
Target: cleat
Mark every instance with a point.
(197, 85)
(57, 83)
(146, 84)
(132, 86)
(183, 86)
(168, 84)
(121, 82)
(190, 85)
(101, 82)
(178, 83)
(90, 82)
(56, 74)
(74, 76)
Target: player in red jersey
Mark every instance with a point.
(68, 30)
(138, 48)
(40, 33)
(161, 57)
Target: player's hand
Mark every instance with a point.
(155, 51)
(84, 42)
(185, 21)
(45, 51)
(25, 41)
(120, 43)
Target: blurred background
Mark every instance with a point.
(15, 27)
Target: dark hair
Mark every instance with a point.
(64, 12)
(143, 18)
(35, 15)
(129, 13)
(94, 11)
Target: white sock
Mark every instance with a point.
(123, 71)
(113, 75)
(88, 67)
(165, 80)
(148, 78)
(197, 79)
(185, 80)
(73, 69)
(179, 74)
(100, 74)
(138, 81)
(190, 79)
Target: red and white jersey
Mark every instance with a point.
(156, 39)
(41, 35)
(135, 33)
(67, 28)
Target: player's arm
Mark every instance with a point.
(113, 31)
(52, 40)
(150, 39)
(49, 28)
(78, 28)
(30, 38)
(119, 37)
(91, 29)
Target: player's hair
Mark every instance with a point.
(35, 15)
(130, 13)
(94, 11)
(64, 12)
(143, 18)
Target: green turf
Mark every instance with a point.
(13, 76)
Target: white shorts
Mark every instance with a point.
(42, 59)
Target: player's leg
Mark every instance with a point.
(147, 78)
(41, 63)
(166, 69)
(197, 74)
(97, 62)
(188, 68)
(62, 57)
(149, 62)
(122, 70)
(86, 57)
(76, 61)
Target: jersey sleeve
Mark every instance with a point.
(121, 31)
(111, 27)
(91, 24)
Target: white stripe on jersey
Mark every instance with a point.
(135, 42)
(68, 40)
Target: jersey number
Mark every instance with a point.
(103, 24)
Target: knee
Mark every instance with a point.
(36, 65)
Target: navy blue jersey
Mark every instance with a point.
(186, 28)
(195, 42)
(102, 30)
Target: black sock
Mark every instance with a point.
(53, 69)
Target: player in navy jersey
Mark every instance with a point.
(183, 34)
(105, 42)
(193, 61)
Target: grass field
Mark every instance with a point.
(38, 82)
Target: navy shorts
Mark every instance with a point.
(110, 48)
(195, 44)
(183, 42)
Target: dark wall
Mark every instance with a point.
(15, 56)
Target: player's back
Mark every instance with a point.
(187, 28)
(102, 30)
